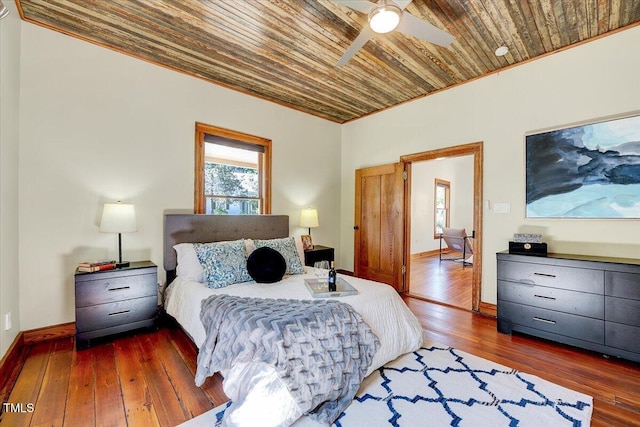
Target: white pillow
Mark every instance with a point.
(188, 265)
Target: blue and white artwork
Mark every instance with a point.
(589, 171)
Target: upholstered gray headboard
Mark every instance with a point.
(195, 228)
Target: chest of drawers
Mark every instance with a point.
(114, 301)
(585, 301)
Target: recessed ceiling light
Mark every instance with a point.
(502, 51)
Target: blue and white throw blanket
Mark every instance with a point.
(320, 349)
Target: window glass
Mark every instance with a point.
(441, 206)
(232, 172)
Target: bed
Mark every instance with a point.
(377, 304)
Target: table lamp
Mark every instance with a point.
(118, 218)
(309, 219)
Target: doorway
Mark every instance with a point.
(427, 277)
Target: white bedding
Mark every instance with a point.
(398, 330)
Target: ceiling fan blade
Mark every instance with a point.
(422, 30)
(402, 4)
(363, 6)
(360, 41)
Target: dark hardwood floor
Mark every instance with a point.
(147, 379)
(446, 282)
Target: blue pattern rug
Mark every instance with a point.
(442, 386)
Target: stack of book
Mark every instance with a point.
(91, 266)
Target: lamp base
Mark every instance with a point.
(122, 264)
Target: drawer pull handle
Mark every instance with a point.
(544, 275)
(539, 319)
(122, 288)
(545, 297)
(118, 313)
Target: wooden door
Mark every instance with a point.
(379, 224)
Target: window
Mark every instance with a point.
(232, 172)
(441, 206)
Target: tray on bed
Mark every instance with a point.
(319, 288)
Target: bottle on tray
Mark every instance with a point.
(332, 280)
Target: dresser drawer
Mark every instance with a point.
(110, 289)
(622, 310)
(572, 302)
(625, 285)
(624, 337)
(577, 279)
(115, 313)
(582, 328)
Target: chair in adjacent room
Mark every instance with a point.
(456, 239)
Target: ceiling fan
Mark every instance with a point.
(389, 15)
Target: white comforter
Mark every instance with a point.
(398, 330)
(259, 396)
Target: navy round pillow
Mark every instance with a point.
(266, 265)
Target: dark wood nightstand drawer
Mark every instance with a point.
(118, 288)
(114, 301)
(555, 276)
(572, 302)
(115, 313)
(569, 325)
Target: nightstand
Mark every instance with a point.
(113, 301)
(318, 253)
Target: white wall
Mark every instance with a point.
(98, 126)
(459, 172)
(9, 243)
(595, 80)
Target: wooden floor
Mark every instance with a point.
(147, 379)
(446, 282)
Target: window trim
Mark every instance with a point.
(264, 159)
(447, 203)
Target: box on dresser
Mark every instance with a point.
(113, 301)
(585, 301)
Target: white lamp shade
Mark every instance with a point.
(118, 218)
(309, 218)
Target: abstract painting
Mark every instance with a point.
(586, 171)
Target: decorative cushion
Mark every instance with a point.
(223, 263)
(266, 265)
(188, 265)
(287, 248)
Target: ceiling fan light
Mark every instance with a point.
(384, 18)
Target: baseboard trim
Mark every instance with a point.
(429, 254)
(12, 362)
(488, 309)
(48, 333)
(11, 365)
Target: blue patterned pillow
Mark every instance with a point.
(223, 263)
(287, 247)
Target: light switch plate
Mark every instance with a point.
(7, 321)
(502, 207)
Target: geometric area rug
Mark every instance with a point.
(441, 386)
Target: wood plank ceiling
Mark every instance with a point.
(286, 50)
